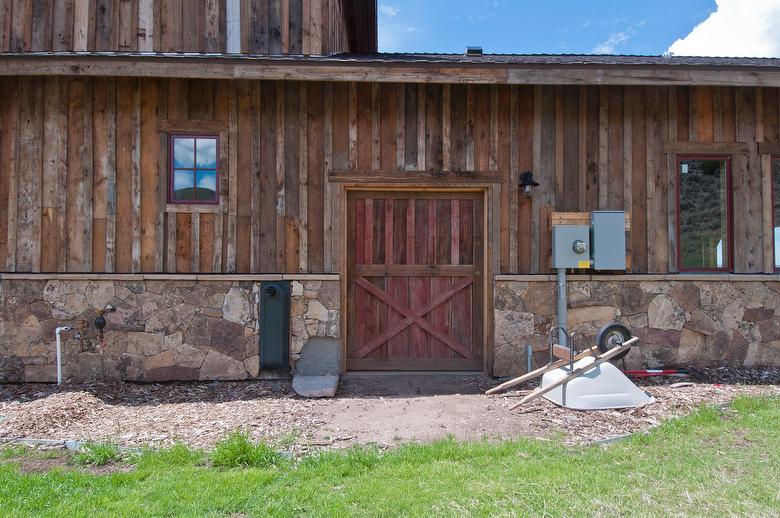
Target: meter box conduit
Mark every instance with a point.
(275, 325)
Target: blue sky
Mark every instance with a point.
(552, 26)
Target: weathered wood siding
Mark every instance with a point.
(267, 26)
(84, 166)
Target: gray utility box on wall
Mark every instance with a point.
(608, 239)
(274, 319)
(571, 246)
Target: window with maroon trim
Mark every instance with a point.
(704, 213)
(194, 173)
(776, 208)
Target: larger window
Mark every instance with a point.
(776, 207)
(704, 213)
(194, 172)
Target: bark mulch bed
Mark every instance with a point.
(383, 410)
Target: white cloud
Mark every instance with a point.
(608, 46)
(616, 39)
(394, 37)
(388, 10)
(741, 28)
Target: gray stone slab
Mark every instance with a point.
(315, 386)
(320, 356)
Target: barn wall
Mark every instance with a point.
(680, 321)
(84, 167)
(162, 330)
(267, 26)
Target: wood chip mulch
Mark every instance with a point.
(200, 414)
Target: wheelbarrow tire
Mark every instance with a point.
(612, 335)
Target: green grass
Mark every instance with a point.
(97, 454)
(238, 451)
(712, 463)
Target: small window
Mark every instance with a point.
(704, 213)
(194, 175)
(776, 207)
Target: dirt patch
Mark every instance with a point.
(380, 409)
(35, 461)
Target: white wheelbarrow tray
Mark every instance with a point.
(602, 387)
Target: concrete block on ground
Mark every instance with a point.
(315, 386)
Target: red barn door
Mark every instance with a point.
(414, 281)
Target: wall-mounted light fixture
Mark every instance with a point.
(527, 181)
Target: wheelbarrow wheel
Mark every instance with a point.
(612, 335)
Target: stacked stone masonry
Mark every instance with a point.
(161, 330)
(208, 330)
(679, 323)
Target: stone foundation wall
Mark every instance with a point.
(161, 330)
(679, 323)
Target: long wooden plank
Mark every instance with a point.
(79, 214)
(150, 245)
(315, 177)
(577, 372)
(28, 244)
(528, 376)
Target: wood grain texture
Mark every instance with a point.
(86, 168)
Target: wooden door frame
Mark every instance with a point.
(491, 220)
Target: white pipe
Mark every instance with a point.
(59, 351)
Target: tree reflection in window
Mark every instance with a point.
(194, 171)
(704, 214)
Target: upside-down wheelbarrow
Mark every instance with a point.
(586, 380)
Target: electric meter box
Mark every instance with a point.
(571, 246)
(608, 239)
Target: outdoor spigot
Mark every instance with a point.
(80, 327)
(100, 320)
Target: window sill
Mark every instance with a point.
(194, 208)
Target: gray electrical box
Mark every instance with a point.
(608, 239)
(275, 325)
(571, 246)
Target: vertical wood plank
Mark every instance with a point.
(514, 180)
(230, 249)
(639, 213)
(628, 156)
(411, 128)
(267, 184)
(767, 219)
(615, 149)
(62, 30)
(537, 166)
(400, 130)
(446, 146)
(657, 178)
(79, 215)
(303, 172)
(388, 120)
(376, 141)
(55, 134)
(281, 229)
(421, 137)
(28, 177)
(603, 147)
(146, 36)
(135, 184)
(316, 188)
(431, 129)
(9, 151)
(470, 128)
(243, 178)
(328, 162)
(41, 32)
(151, 246)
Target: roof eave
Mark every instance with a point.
(326, 68)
